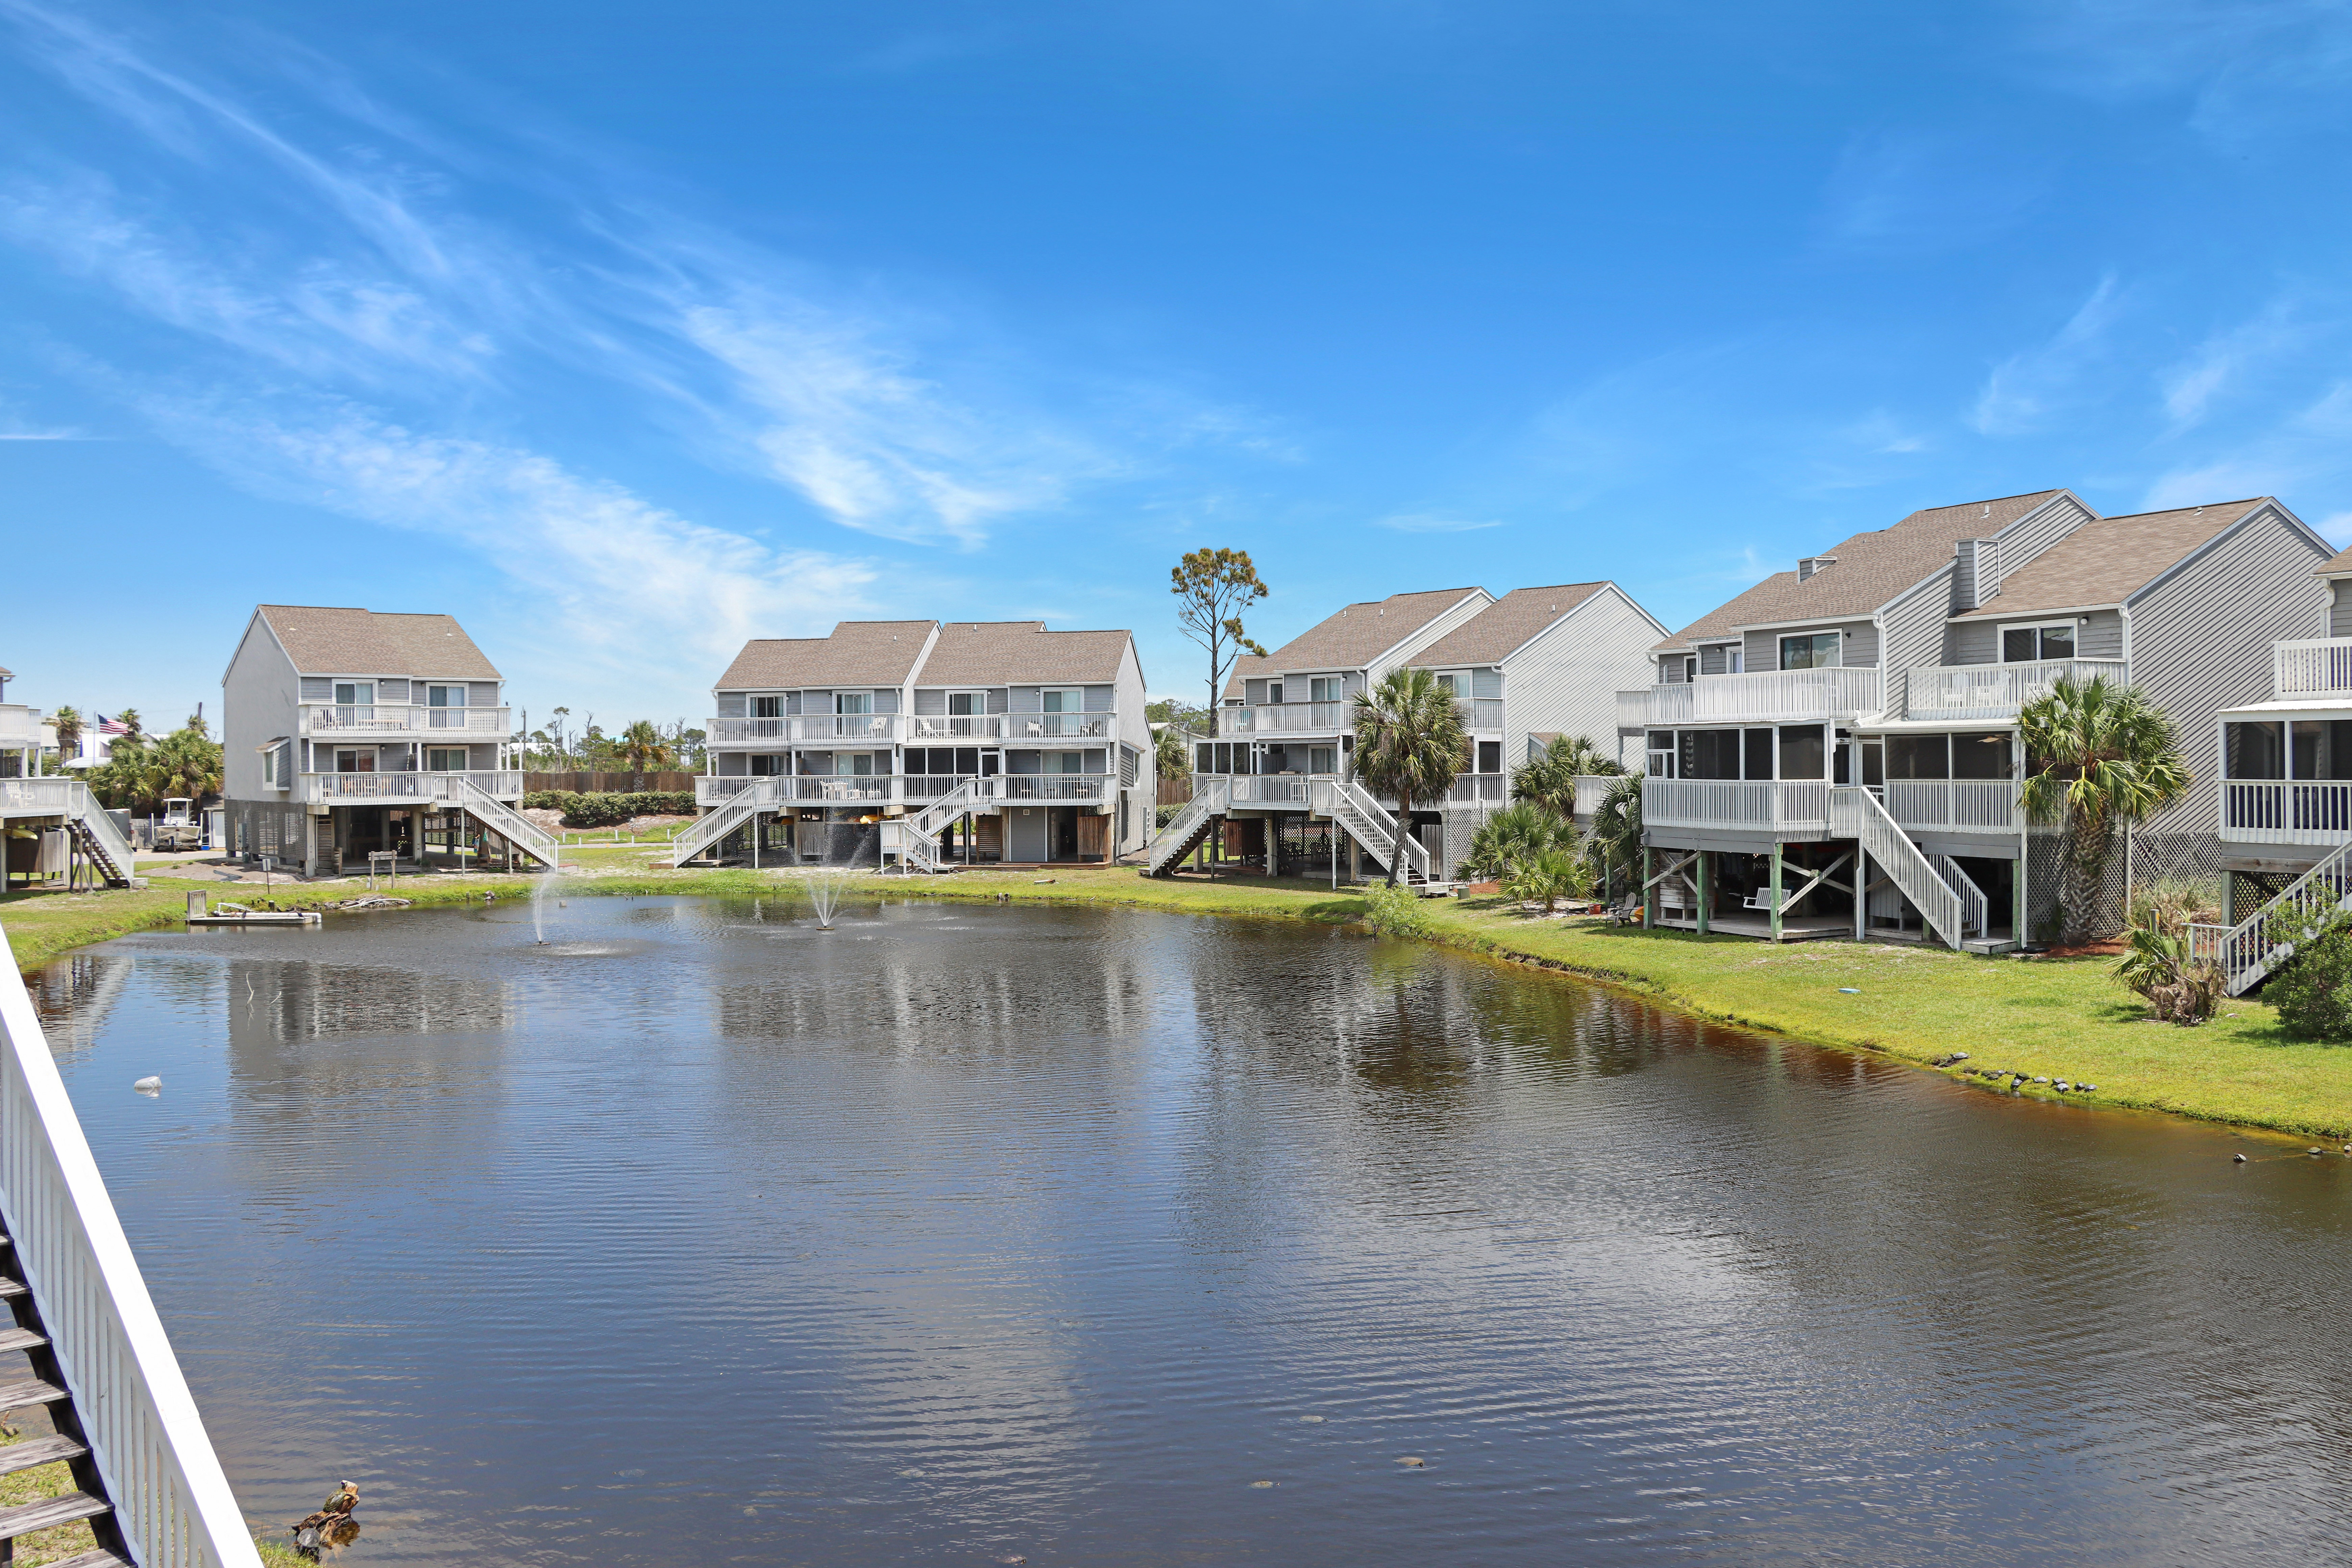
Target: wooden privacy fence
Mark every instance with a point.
(1175, 790)
(599, 784)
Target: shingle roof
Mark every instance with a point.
(857, 653)
(1871, 568)
(2106, 562)
(2336, 565)
(1000, 653)
(1355, 636)
(327, 640)
(1503, 626)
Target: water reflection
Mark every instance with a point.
(973, 1233)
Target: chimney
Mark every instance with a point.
(1812, 563)
(1976, 573)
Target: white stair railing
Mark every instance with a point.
(766, 795)
(106, 838)
(1212, 797)
(1370, 825)
(1976, 909)
(512, 825)
(2245, 952)
(1854, 813)
(169, 1494)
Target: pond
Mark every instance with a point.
(971, 1234)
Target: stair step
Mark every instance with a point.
(9, 1288)
(102, 1558)
(28, 1391)
(21, 1340)
(50, 1512)
(33, 1451)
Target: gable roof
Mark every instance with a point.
(1354, 635)
(1870, 569)
(329, 640)
(2336, 565)
(1002, 653)
(1504, 626)
(2108, 561)
(855, 653)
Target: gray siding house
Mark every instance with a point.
(346, 732)
(1037, 738)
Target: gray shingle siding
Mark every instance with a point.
(1860, 651)
(2339, 610)
(2031, 534)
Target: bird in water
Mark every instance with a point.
(333, 1525)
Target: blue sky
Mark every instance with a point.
(626, 332)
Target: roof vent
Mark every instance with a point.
(1812, 563)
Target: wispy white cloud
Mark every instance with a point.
(2024, 389)
(2246, 68)
(1432, 522)
(2308, 447)
(1914, 194)
(1880, 434)
(2223, 362)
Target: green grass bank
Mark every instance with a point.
(2059, 1017)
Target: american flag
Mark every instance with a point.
(107, 726)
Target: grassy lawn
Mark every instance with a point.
(2062, 1018)
(43, 1481)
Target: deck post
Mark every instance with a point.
(1861, 892)
(1706, 887)
(1776, 890)
(1649, 894)
(2021, 904)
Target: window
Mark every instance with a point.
(1811, 650)
(769, 707)
(354, 693)
(1073, 700)
(768, 766)
(1066, 761)
(2028, 645)
(1918, 757)
(1984, 755)
(1733, 659)
(1490, 756)
(445, 697)
(2256, 751)
(1690, 668)
(1273, 692)
(1757, 748)
(1804, 751)
(1322, 759)
(852, 702)
(965, 704)
(1450, 685)
(1709, 755)
(861, 763)
(445, 759)
(357, 761)
(1323, 689)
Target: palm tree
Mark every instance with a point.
(2103, 756)
(1409, 744)
(1550, 779)
(69, 722)
(131, 722)
(1614, 840)
(1517, 833)
(642, 746)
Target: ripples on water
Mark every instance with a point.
(955, 1235)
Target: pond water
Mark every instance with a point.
(970, 1235)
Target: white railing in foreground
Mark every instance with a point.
(1982, 806)
(1799, 807)
(2312, 665)
(170, 1497)
(2245, 951)
(1768, 696)
(1998, 690)
(2299, 811)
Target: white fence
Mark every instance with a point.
(1983, 806)
(402, 719)
(1799, 807)
(2303, 811)
(148, 1444)
(1779, 696)
(1995, 691)
(334, 789)
(2317, 665)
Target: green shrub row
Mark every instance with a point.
(610, 808)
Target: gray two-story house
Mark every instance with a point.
(348, 732)
(954, 740)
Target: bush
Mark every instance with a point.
(1396, 912)
(1520, 832)
(2314, 993)
(1547, 878)
(609, 808)
(1167, 814)
(2157, 963)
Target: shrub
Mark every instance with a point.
(1547, 878)
(1396, 912)
(1516, 833)
(609, 808)
(2157, 964)
(2314, 993)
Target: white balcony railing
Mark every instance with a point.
(1592, 789)
(932, 727)
(1996, 691)
(2275, 811)
(1779, 696)
(806, 728)
(1057, 787)
(396, 789)
(1286, 719)
(400, 719)
(20, 727)
(2320, 667)
(1490, 789)
(43, 798)
(1788, 808)
(1966, 805)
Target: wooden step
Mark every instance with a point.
(50, 1512)
(28, 1391)
(10, 1288)
(102, 1558)
(24, 1456)
(21, 1340)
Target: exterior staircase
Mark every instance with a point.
(2245, 954)
(503, 819)
(915, 836)
(1374, 827)
(42, 1383)
(99, 840)
(1856, 814)
(1212, 799)
(761, 794)
(1976, 909)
